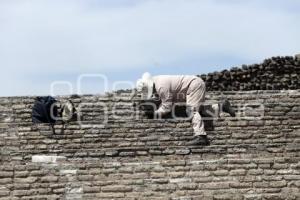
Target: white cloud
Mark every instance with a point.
(80, 36)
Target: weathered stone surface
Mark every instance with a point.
(276, 73)
(138, 158)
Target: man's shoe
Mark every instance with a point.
(199, 140)
(226, 107)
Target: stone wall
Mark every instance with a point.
(125, 156)
(276, 73)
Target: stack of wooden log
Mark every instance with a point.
(276, 73)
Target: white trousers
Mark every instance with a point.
(195, 97)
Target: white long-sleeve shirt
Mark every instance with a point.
(171, 89)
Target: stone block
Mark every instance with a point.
(116, 188)
(46, 159)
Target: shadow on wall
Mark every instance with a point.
(207, 112)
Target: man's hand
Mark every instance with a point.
(148, 107)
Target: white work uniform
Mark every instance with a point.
(189, 89)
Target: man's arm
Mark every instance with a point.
(166, 102)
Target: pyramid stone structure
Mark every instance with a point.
(276, 73)
(116, 153)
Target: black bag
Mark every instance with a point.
(45, 111)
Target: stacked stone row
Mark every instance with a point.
(276, 73)
(255, 155)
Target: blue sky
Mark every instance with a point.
(43, 41)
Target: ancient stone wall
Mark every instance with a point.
(276, 73)
(115, 153)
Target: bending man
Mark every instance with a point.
(179, 88)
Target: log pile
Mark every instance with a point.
(276, 73)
